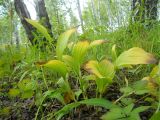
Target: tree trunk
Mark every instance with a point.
(23, 13)
(43, 15)
(80, 14)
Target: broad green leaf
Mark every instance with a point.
(94, 101)
(140, 87)
(78, 93)
(114, 114)
(156, 116)
(154, 72)
(134, 56)
(126, 90)
(93, 67)
(126, 113)
(98, 102)
(65, 110)
(27, 94)
(57, 66)
(79, 51)
(62, 42)
(96, 43)
(134, 115)
(64, 85)
(128, 109)
(103, 69)
(40, 28)
(140, 109)
(27, 85)
(14, 92)
(57, 95)
(64, 88)
(69, 61)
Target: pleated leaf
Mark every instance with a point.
(134, 56)
(57, 66)
(62, 42)
(103, 69)
(79, 51)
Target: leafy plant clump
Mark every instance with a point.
(61, 84)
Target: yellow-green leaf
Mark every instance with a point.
(40, 28)
(27, 94)
(114, 54)
(134, 56)
(62, 42)
(97, 42)
(57, 66)
(79, 51)
(26, 85)
(14, 92)
(93, 68)
(68, 60)
(154, 72)
(5, 111)
(103, 69)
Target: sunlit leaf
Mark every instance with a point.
(154, 72)
(14, 92)
(152, 86)
(79, 51)
(40, 28)
(134, 56)
(69, 61)
(103, 69)
(57, 66)
(97, 42)
(70, 45)
(62, 42)
(93, 67)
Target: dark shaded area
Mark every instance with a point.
(23, 13)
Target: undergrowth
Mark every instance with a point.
(113, 75)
